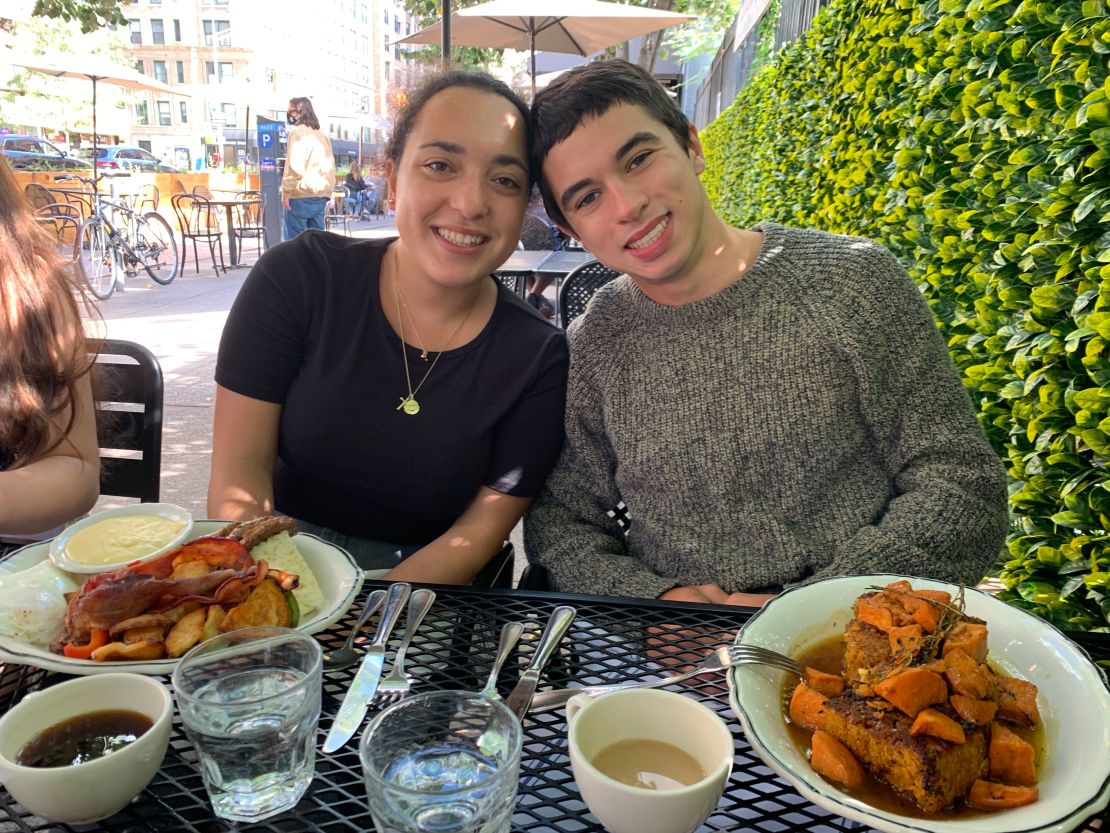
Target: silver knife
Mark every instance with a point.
(557, 627)
(356, 701)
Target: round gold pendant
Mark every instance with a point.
(410, 406)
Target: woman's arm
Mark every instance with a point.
(459, 554)
(61, 485)
(244, 447)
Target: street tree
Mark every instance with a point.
(90, 14)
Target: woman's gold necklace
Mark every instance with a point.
(405, 306)
(409, 405)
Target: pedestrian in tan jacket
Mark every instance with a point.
(309, 178)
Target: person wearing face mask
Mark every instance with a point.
(309, 177)
(390, 394)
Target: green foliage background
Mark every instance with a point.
(972, 137)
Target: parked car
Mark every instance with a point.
(124, 158)
(30, 153)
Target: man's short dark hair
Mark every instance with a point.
(592, 90)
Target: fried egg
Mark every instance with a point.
(33, 604)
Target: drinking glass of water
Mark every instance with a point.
(250, 701)
(446, 761)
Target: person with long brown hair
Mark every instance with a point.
(308, 180)
(49, 458)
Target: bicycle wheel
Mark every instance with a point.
(96, 258)
(155, 247)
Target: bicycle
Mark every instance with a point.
(104, 244)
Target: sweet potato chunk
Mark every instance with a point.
(933, 723)
(913, 689)
(965, 675)
(1018, 701)
(987, 795)
(979, 712)
(832, 759)
(828, 684)
(906, 639)
(1011, 757)
(807, 707)
(265, 606)
(942, 596)
(876, 611)
(969, 637)
(923, 613)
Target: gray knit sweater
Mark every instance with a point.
(805, 422)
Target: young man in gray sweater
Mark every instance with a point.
(773, 405)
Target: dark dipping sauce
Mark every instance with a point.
(828, 656)
(84, 738)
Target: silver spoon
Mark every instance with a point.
(347, 656)
(510, 633)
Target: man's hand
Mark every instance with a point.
(701, 593)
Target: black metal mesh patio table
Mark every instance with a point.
(612, 639)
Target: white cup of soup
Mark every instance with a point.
(112, 538)
(648, 761)
(128, 714)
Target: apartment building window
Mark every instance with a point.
(141, 114)
(364, 12)
(226, 71)
(177, 31)
(180, 72)
(229, 114)
(385, 42)
(183, 112)
(160, 72)
(386, 13)
(139, 65)
(157, 31)
(136, 30)
(156, 2)
(397, 25)
(164, 114)
(220, 28)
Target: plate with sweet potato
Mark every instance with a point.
(927, 707)
(143, 616)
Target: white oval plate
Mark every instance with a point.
(339, 578)
(164, 510)
(1073, 698)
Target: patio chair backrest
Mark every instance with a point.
(579, 286)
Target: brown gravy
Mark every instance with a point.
(83, 738)
(828, 656)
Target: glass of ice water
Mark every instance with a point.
(442, 762)
(250, 701)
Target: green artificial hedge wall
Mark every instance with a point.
(972, 137)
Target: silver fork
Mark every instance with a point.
(720, 658)
(395, 684)
(510, 633)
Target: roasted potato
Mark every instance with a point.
(151, 633)
(264, 607)
(191, 569)
(212, 621)
(186, 633)
(144, 650)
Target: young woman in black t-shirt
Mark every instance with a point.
(391, 395)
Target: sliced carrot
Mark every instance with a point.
(979, 712)
(835, 761)
(988, 795)
(965, 675)
(913, 689)
(807, 707)
(933, 723)
(1010, 757)
(906, 639)
(828, 684)
(1018, 701)
(970, 637)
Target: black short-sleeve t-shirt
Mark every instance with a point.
(307, 331)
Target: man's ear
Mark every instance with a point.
(693, 147)
(567, 230)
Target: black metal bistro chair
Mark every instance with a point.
(249, 221)
(579, 286)
(198, 219)
(129, 397)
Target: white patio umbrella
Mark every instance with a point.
(96, 68)
(574, 27)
